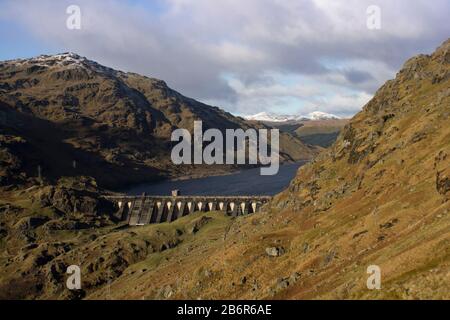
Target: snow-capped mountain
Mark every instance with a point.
(271, 117)
(318, 115)
(68, 60)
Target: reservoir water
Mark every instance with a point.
(245, 182)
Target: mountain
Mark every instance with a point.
(317, 115)
(65, 115)
(272, 117)
(318, 129)
(320, 132)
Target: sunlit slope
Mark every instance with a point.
(379, 196)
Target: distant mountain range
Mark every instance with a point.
(272, 117)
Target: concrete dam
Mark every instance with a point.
(143, 210)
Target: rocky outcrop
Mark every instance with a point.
(31, 222)
(11, 166)
(443, 182)
(442, 167)
(68, 200)
(275, 251)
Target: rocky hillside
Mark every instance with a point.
(71, 116)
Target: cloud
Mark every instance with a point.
(246, 56)
(357, 76)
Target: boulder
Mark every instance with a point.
(443, 182)
(275, 251)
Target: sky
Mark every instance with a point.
(245, 56)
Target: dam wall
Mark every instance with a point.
(143, 210)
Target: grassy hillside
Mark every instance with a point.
(321, 133)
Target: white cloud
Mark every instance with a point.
(233, 54)
(277, 55)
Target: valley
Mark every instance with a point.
(378, 195)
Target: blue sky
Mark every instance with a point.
(18, 42)
(21, 42)
(281, 56)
